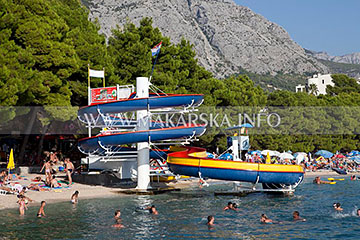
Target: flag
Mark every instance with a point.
(96, 73)
(11, 164)
(155, 50)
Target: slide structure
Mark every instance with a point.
(107, 140)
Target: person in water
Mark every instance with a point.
(117, 220)
(353, 178)
(265, 219)
(317, 180)
(75, 197)
(358, 212)
(22, 205)
(337, 207)
(230, 206)
(296, 217)
(41, 212)
(210, 221)
(152, 210)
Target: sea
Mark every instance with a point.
(183, 214)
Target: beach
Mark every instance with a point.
(92, 191)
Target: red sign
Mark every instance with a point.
(100, 95)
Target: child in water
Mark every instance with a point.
(22, 205)
(74, 197)
(41, 212)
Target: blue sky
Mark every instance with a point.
(321, 25)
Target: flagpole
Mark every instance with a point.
(152, 71)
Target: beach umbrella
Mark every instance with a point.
(258, 152)
(299, 158)
(324, 153)
(271, 153)
(286, 155)
(11, 164)
(276, 153)
(339, 156)
(300, 153)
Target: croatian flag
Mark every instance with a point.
(155, 50)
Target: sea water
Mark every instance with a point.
(182, 215)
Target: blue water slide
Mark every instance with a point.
(99, 142)
(134, 104)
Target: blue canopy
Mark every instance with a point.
(324, 153)
(245, 125)
(226, 156)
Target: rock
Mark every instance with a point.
(226, 37)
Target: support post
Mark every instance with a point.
(143, 170)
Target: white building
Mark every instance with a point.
(320, 81)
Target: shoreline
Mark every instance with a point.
(92, 191)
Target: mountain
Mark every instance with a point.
(227, 37)
(353, 58)
(348, 64)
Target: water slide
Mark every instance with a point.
(106, 140)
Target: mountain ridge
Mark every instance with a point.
(254, 43)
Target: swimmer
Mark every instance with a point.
(153, 210)
(265, 219)
(296, 217)
(337, 207)
(117, 214)
(230, 206)
(353, 178)
(210, 221)
(317, 180)
(41, 212)
(358, 212)
(75, 197)
(117, 220)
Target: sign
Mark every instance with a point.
(244, 143)
(100, 95)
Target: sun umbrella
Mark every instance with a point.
(324, 153)
(276, 153)
(11, 164)
(339, 156)
(299, 158)
(257, 152)
(299, 153)
(270, 152)
(286, 155)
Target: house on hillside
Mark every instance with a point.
(316, 85)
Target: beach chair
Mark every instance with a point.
(3, 192)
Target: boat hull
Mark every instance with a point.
(234, 170)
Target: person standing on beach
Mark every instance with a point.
(75, 197)
(41, 212)
(47, 167)
(69, 169)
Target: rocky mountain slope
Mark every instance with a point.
(226, 37)
(353, 58)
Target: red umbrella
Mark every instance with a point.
(339, 156)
